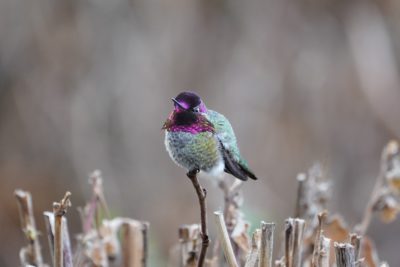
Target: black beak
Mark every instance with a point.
(178, 104)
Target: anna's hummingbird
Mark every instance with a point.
(200, 139)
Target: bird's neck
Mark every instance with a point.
(186, 121)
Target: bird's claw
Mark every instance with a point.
(192, 173)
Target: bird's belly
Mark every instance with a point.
(195, 151)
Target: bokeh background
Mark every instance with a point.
(86, 84)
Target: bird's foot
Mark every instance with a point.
(192, 173)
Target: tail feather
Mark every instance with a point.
(237, 169)
(248, 172)
(233, 167)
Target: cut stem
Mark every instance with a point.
(366, 220)
(28, 225)
(267, 244)
(133, 245)
(355, 241)
(188, 237)
(344, 255)
(252, 259)
(301, 202)
(324, 251)
(225, 240)
(50, 225)
(294, 230)
(59, 210)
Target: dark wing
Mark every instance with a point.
(247, 171)
(237, 169)
(231, 166)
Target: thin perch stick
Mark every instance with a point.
(224, 239)
(59, 210)
(267, 244)
(24, 200)
(201, 194)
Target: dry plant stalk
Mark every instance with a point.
(252, 259)
(201, 194)
(59, 210)
(145, 234)
(266, 244)
(313, 194)
(67, 252)
(324, 251)
(98, 200)
(294, 230)
(385, 197)
(30, 255)
(225, 240)
(355, 241)
(236, 225)
(302, 196)
(188, 239)
(134, 243)
(99, 242)
(344, 255)
(322, 245)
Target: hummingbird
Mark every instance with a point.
(200, 139)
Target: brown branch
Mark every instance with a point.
(59, 210)
(201, 194)
(32, 254)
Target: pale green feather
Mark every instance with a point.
(225, 133)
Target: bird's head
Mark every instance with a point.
(189, 102)
(188, 110)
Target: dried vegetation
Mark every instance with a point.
(313, 237)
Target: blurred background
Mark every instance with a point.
(86, 84)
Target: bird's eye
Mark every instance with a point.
(196, 109)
